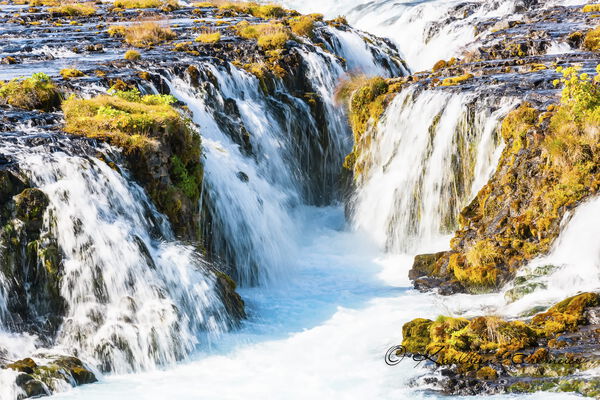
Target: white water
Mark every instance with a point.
(329, 302)
(136, 298)
(415, 25)
(415, 168)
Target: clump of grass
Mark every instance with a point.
(365, 98)
(265, 11)
(74, 9)
(69, 73)
(36, 92)
(592, 40)
(132, 55)
(456, 80)
(304, 25)
(591, 8)
(144, 34)
(166, 5)
(208, 37)
(126, 118)
(269, 36)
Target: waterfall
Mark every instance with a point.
(428, 156)
(288, 157)
(136, 298)
(425, 31)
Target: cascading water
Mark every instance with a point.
(425, 31)
(136, 298)
(419, 173)
(290, 158)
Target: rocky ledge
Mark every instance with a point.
(488, 355)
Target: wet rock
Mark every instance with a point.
(41, 379)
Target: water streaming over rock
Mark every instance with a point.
(135, 297)
(138, 298)
(420, 172)
(425, 31)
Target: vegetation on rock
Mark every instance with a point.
(269, 36)
(144, 34)
(208, 37)
(36, 92)
(156, 139)
(68, 73)
(167, 5)
(74, 9)
(549, 164)
(471, 343)
(591, 40)
(132, 55)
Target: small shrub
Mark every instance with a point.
(303, 25)
(132, 55)
(456, 80)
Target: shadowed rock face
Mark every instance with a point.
(31, 260)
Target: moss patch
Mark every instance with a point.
(37, 92)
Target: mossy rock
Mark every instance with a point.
(35, 93)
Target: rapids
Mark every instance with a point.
(326, 289)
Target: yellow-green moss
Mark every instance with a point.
(304, 25)
(591, 8)
(487, 374)
(68, 73)
(456, 80)
(416, 335)
(144, 34)
(468, 343)
(36, 92)
(565, 315)
(592, 40)
(269, 36)
(125, 119)
(167, 5)
(265, 11)
(132, 55)
(74, 9)
(208, 37)
(366, 103)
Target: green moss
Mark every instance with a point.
(366, 98)
(37, 92)
(208, 37)
(189, 180)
